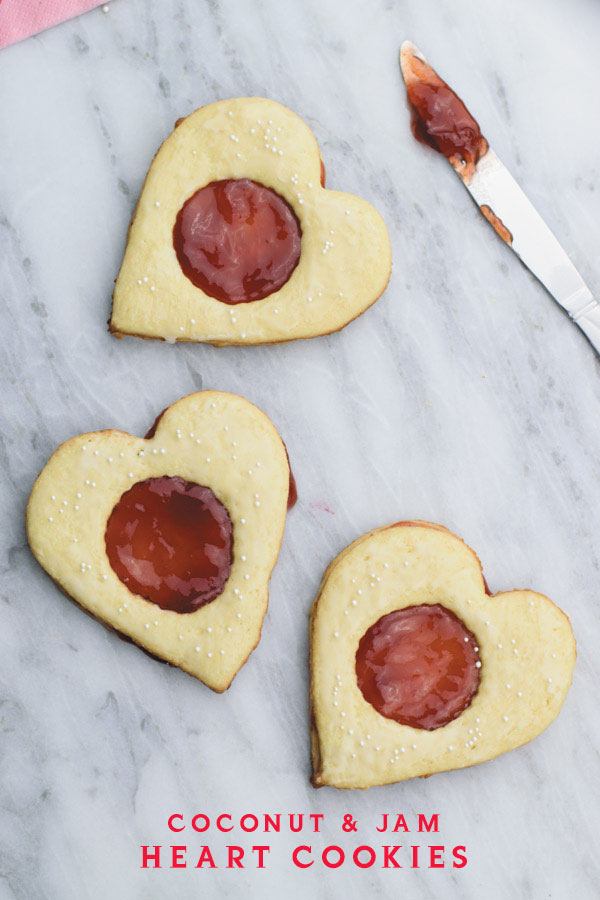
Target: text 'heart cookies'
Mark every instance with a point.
(236, 241)
(415, 669)
(170, 540)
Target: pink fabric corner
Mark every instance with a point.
(21, 18)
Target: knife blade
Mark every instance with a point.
(441, 120)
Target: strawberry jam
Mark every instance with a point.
(439, 118)
(418, 666)
(170, 541)
(237, 240)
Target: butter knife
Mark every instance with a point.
(441, 120)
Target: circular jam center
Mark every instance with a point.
(237, 240)
(170, 541)
(418, 666)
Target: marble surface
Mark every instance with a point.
(465, 396)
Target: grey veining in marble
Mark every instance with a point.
(463, 396)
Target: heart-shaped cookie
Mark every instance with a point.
(416, 669)
(236, 241)
(170, 540)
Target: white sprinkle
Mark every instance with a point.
(180, 636)
(549, 681)
(209, 655)
(147, 625)
(477, 665)
(450, 747)
(505, 718)
(337, 634)
(157, 203)
(197, 649)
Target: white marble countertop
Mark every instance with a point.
(465, 396)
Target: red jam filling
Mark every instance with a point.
(418, 666)
(170, 541)
(439, 118)
(292, 492)
(237, 240)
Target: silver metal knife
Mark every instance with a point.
(502, 201)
